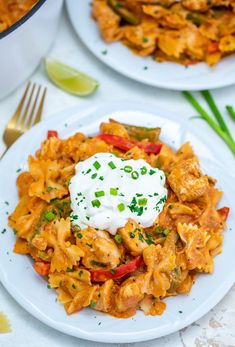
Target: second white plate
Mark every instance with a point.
(165, 75)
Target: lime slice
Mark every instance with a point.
(70, 79)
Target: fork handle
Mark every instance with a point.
(4, 153)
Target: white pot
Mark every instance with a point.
(24, 44)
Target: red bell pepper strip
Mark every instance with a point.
(224, 212)
(213, 47)
(125, 145)
(42, 268)
(52, 133)
(102, 275)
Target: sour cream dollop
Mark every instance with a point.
(106, 191)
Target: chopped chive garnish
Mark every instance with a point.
(134, 175)
(132, 235)
(143, 201)
(143, 170)
(79, 235)
(118, 238)
(96, 165)
(101, 178)
(113, 271)
(96, 203)
(128, 168)
(121, 207)
(49, 216)
(151, 172)
(138, 195)
(113, 191)
(88, 171)
(112, 165)
(99, 194)
(94, 175)
(170, 206)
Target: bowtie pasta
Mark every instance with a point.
(187, 31)
(136, 268)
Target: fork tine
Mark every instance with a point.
(12, 122)
(29, 120)
(40, 108)
(23, 118)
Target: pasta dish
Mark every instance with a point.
(13, 10)
(119, 221)
(186, 32)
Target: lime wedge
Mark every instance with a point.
(70, 79)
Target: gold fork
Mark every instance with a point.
(27, 114)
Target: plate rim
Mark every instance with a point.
(135, 77)
(110, 337)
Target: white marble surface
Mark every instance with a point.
(217, 328)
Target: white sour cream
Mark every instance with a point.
(106, 191)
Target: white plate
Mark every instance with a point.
(30, 290)
(165, 75)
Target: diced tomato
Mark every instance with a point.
(224, 212)
(125, 145)
(42, 268)
(102, 275)
(52, 133)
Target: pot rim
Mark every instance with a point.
(22, 20)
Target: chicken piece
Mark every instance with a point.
(114, 129)
(195, 240)
(128, 296)
(187, 180)
(152, 307)
(196, 43)
(133, 237)
(108, 21)
(103, 296)
(100, 250)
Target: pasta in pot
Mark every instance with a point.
(137, 267)
(13, 10)
(184, 31)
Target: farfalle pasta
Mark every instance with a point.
(136, 267)
(13, 10)
(187, 31)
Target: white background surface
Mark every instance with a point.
(217, 328)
